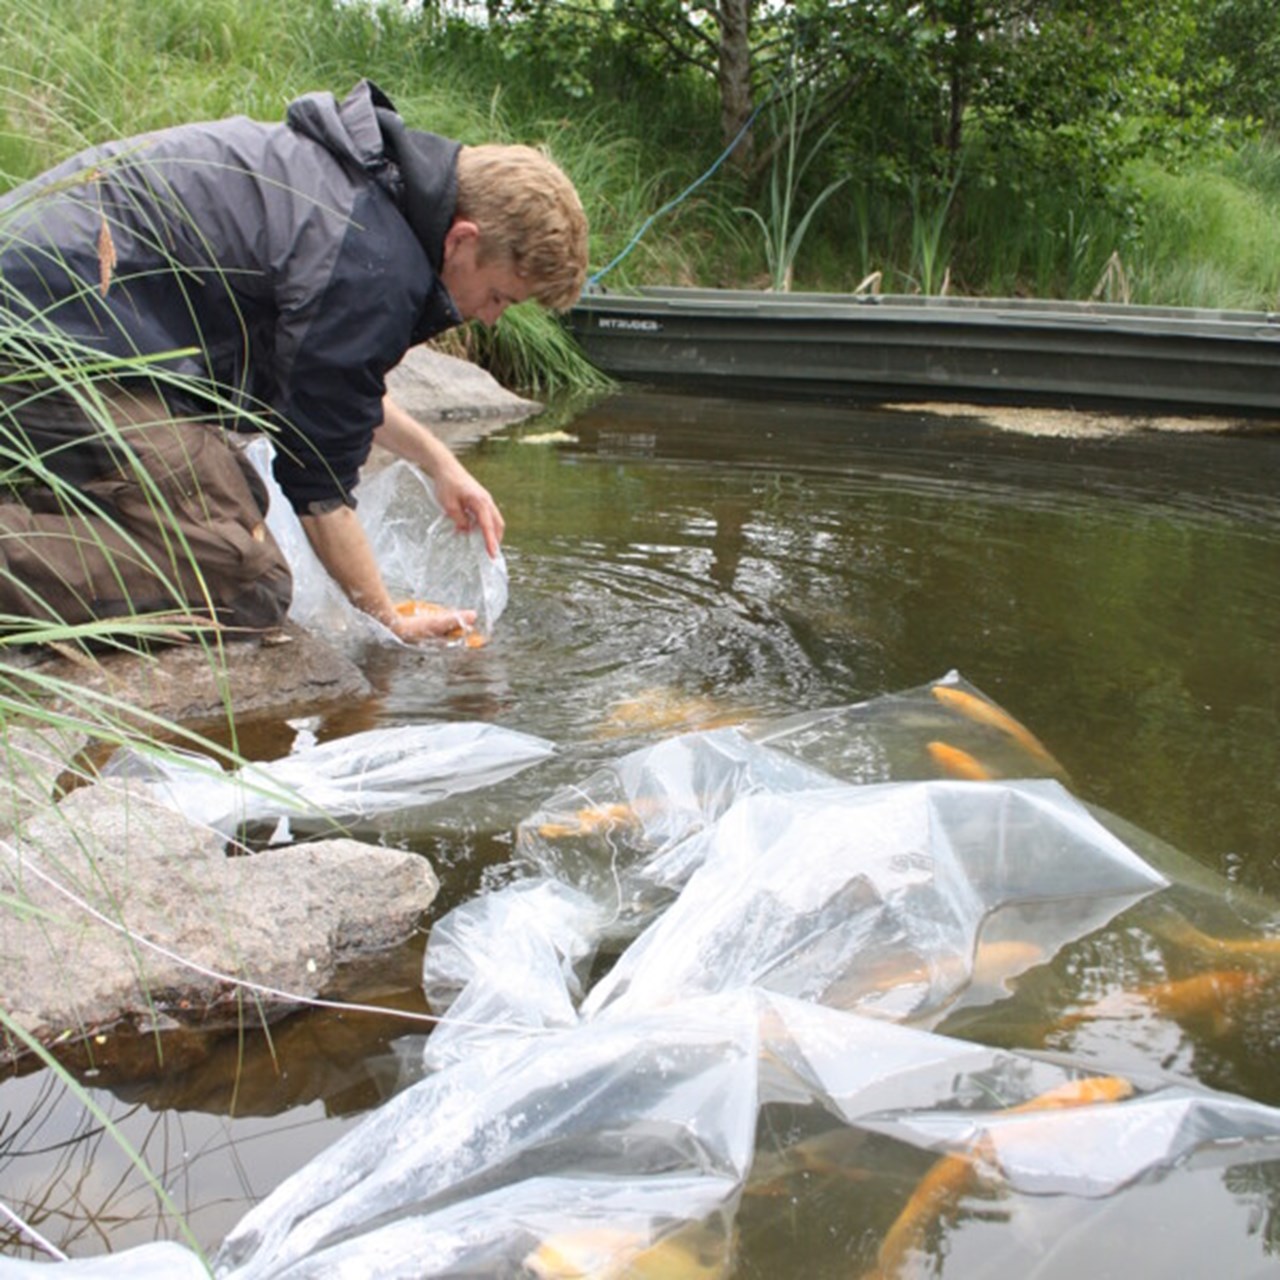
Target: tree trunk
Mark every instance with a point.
(734, 76)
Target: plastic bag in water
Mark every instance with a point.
(609, 835)
(902, 900)
(880, 899)
(944, 729)
(542, 931)
(161, 1260)
(420, 553)
(360, 776)
(629, 1142)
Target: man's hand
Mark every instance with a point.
(469, 505)
(464, 499)
(416, 620)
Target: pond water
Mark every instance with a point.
(677, 561)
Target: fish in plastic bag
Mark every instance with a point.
(421, 555)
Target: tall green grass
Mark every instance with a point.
(1198, 235)
(1211, 235)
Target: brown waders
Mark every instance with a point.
(173, 524)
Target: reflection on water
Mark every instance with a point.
(681, 562)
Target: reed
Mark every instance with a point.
(1211, 237)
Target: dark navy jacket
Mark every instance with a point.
(300, 260)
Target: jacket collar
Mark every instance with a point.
(428, 167)
(420, 169)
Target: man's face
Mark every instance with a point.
(480, 291)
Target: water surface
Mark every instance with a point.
(677, 560)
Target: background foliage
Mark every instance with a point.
(999, 147)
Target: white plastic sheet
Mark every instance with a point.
(875, 898)
(420, 553)
(359, 776)
(626, 1135)
(162, 1260)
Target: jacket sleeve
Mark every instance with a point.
(342, 323)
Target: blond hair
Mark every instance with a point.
(529, 215)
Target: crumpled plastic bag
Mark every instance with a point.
(605, 835)
(541, 930)
(620, 1139)
(875, 898)
(473, 1169)
(359, 776)
(420, 553)
(903, 900)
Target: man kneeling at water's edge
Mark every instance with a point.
(271, 273)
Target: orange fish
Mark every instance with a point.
(587, 821)
(987, 713)
(664, 711)
(1076, 1093)
(952, 1176)
(472, 638)
(612, 1253)
(834, 1153)
(1206, 996)
(992, 962)
(956, 763)
(1264, 949)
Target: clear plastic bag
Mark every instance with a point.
(359, 776)
(628, 1142)
(874, 898)
(614, 835)
(420, 553)
(944, 729)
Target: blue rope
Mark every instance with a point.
(684, 195)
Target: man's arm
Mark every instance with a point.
(465, 501)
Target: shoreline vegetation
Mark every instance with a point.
(1120, 152)
(987, 159)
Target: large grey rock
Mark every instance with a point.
(458, 400)
(112, 910)
(31, 764)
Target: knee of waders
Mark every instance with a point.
(263, 605)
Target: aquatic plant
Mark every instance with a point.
(784, 229)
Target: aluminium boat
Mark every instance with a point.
(883, 347)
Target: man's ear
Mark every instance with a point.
(461, 230)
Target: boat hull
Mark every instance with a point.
(908, 348)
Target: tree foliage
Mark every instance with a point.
(926, 103)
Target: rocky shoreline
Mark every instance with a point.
(118, 913)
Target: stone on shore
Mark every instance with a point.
(114, 911)
(117, 911)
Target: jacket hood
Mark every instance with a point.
(419, 168)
